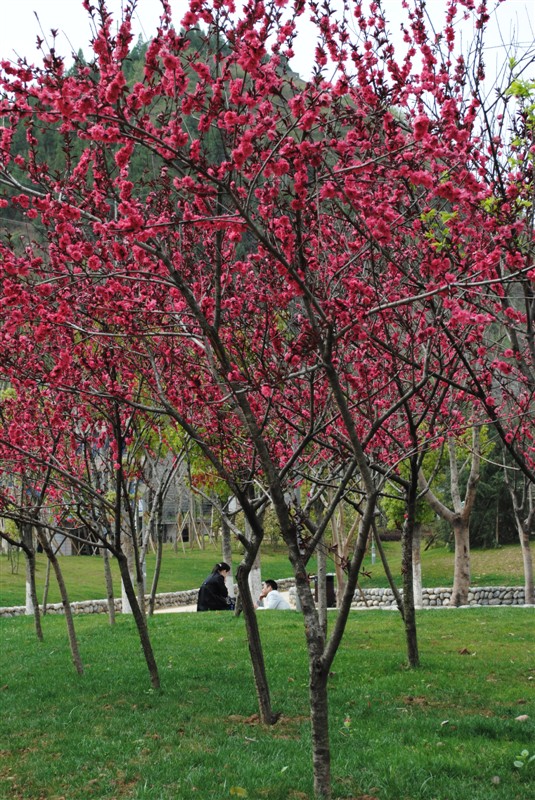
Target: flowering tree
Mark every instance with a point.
(20, 535)
(499, 363)
(294, 262)
(48, 442)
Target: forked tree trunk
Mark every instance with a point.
(318, 673)
(461, 573)
(321, 652)
(459, 516)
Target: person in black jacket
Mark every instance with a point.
(213, 594)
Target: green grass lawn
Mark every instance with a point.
(186, 569)
(447, 731)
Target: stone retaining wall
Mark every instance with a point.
(166, 600)
(368, 598)
(439, 597)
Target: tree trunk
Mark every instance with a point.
(322, 585)
(388, 572)
(417, 564)
(407, 543)
(319, 717)
(459, 516)
(128, 550)
(32, 603)
(141, 584)
(140, 620)
(461, 574)
(46, 586)
(529, 593)
(318, 696)
(140, 564)
(73, 642)
(524, 509)
(226, 551)
(254, 574)
(255, 648)
(157, 567)
(109, 586)
(340, 552)
(409, 616)
(29, 552)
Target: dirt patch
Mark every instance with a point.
(419, 700)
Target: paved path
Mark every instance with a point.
(193, 607)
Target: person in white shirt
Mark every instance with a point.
(270, 597)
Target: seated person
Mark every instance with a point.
(270, 597)
(213, 594)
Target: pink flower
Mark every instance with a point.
(420, 127)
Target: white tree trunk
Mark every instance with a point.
(417, 566)
(255, 576)
(322, 586)
(29, 611)
(226, 549)
(255, 580)
(27, 538)
(527, 560)
(524, 510)
(109, 586)
(126, 608)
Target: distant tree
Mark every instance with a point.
(459, 513)
(522, 493)
(492, 521)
